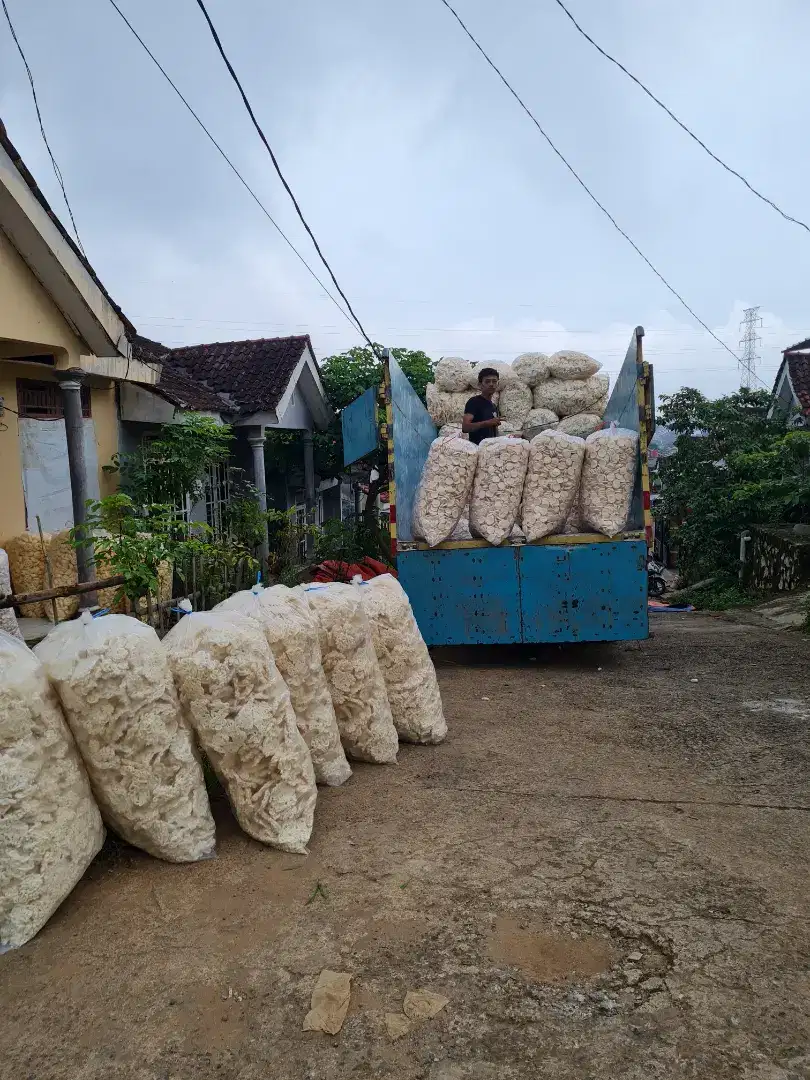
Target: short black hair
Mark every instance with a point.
(482, 374)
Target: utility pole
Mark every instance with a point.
(749, 343)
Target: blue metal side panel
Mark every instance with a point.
(464, 597)
(413, 433)
(361, 432)
(544, 590)
(608, 591)
(622, 408)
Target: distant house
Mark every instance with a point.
(64, 349)
(257, 386)
(791, 389)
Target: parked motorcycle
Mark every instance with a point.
(656, 585)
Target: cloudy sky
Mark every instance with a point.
(450, 223)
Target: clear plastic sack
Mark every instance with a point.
(608, 479)
(26, 560)
(353, 672)
(239, 706)
(515, 403)
(50, 826)
(538, 420)
(531, 368)
(292, 634)
(444, 488)
(506, 373)
(118, 696)
(408, 671)
(452, 374)
(8, 620)
(444, 407)
(568, 364)
(498, 487)
(552, 481)
(580, 424)
(568, 396)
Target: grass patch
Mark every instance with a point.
(721, 595)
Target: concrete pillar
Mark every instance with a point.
(70, 387)
(256, 443)
(309, 487)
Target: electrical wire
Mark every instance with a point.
(233, 168)
(56, 169)
(281, 176)
(680, 122)
(584, 186)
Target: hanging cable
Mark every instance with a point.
(585, 187)
(56, 169)
(230, 164)
(281, 176)
(680, 122)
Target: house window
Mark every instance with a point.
(217, 496)
(42, 400)
(301, 527)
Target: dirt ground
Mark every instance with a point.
(604, 869)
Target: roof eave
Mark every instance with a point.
(58, 268)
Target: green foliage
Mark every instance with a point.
(134, 541)
(733, 468)
(128, 544)
(723, 593)
(174, 465)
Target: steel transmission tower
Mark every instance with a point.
(749, 343)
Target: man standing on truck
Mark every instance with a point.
(481, 420)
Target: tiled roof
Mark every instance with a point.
(252, 375)
(22, 169)
(799, 369)
(226, 376)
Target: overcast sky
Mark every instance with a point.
(449, 222)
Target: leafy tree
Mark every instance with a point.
(733, 468)
(345, 377)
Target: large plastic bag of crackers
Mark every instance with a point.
(50, 826)
(355, 680)
(292, 634)
(239, 706)
(410, 678)
(118, 696)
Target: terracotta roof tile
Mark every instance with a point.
(252, 374)
(231, 376)
(799, 369)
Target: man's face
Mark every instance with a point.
(489, 384)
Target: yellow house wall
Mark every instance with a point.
(12, 503)
(27, 313)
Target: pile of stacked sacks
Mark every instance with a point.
(553, 468)
(104, 723)
(565, 391)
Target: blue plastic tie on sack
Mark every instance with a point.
(104, 611)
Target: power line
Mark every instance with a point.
(582, 183)
(680, 122)
(281, 176)
(57, 171)
(233, 168)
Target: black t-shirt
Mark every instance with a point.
(482, 408)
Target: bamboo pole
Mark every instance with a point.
(15, 599)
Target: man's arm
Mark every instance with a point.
(469, 424)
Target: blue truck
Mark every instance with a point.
(585, 587)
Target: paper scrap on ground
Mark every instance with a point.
(330, 1002)
(397, 1025)
(423, 1004)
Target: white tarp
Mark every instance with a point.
(46, 477)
